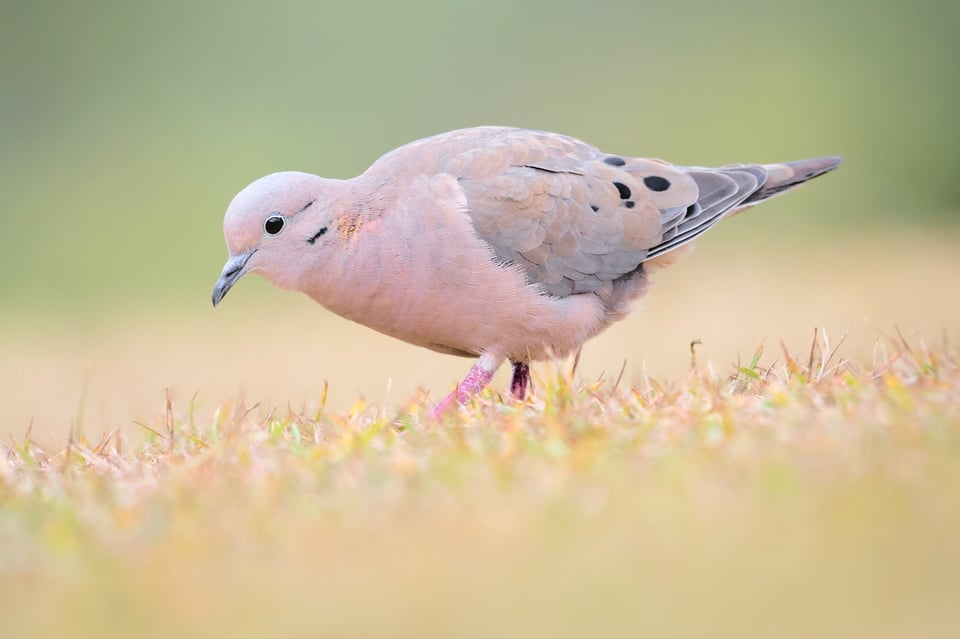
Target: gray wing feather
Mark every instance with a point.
(721, 190)
(555, 207)
(575, 219)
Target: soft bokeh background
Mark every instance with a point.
(125, 129)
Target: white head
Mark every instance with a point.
(278, 227)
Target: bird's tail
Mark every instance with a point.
(783, 177)
(728, 190)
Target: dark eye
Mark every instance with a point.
(274, 224)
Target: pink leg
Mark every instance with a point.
(479, 376)
(520, 381)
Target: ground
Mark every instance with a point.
(793, 495)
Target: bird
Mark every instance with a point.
(494, 243)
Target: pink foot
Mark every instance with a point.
(520, 381)
(473, 383)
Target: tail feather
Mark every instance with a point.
(788, 175)
(728, 190)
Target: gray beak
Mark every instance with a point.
(232, 271)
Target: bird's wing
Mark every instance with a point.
(573, 217)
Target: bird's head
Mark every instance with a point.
(277, 227)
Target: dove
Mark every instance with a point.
(493, 243)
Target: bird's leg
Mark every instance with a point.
(520, 380)
(479, 376)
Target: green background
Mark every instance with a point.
(127, 126)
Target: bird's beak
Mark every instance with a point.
(233, 270)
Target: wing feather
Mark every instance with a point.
(574, 218)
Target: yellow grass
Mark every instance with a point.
(816, 497)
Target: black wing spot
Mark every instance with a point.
(656, 183)
(629, 204)
(624, 190)
(594, 207)
(613, 160)
(316, 235)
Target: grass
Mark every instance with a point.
(793, 496)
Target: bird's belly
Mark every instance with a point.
(449, 309)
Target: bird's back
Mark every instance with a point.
(576, 219)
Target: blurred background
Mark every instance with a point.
(126, 128)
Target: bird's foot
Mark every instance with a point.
(520, 380)
(475, 381)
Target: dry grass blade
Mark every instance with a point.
(813, 352)
(68, 452)
(576, 363)
(100, 448)
(168, 415)
(693, 353)
(835, 350)
(148, 428)
(623, 369)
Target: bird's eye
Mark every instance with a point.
(274, 224)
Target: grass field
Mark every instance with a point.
(799, 495)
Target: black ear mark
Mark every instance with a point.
(316, 235)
